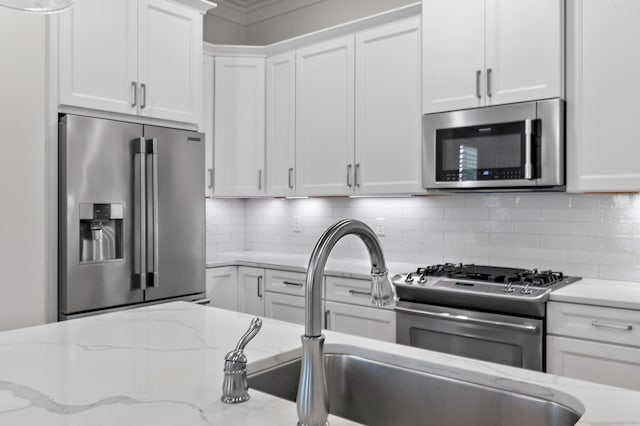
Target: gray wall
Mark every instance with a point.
(315, 17)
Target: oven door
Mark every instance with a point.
(497, 338)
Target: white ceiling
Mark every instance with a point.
(247, 12)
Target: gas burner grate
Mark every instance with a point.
(494, 274)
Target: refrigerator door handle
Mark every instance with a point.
(139, 213)
(152, 214)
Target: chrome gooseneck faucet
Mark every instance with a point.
(313, 398)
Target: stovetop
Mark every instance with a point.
(489, 288)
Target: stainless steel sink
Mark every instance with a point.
(375, 393)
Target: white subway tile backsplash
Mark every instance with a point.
(594, 236)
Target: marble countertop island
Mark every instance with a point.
(162, 365)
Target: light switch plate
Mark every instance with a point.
(296, 224)
(381, 226)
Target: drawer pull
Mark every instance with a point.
(625, 327)
(359, 293)
(291, 283)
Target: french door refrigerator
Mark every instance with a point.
(131, 215)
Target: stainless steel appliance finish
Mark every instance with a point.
(376, 393)
(490, 313)
(506, 147)
(134, 193)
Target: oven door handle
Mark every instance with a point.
(464, 318)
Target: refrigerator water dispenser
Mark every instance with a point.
(100, 232)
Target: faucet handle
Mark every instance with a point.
(235, 386)
(254, 327)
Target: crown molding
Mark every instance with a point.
(258, 10)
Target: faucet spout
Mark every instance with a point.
(313, 400)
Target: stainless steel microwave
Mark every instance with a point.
(506, 147)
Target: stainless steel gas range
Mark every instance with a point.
(485, 312)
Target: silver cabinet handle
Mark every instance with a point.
(349, 166)
(143, 95)
(359, 292)
(292, 284)
(290, 180)
(528, 134)
(260, 179)
(134, 86)
(489, 72)
(463, 318)
(259, 292)
(625, 327)
(152, 214)
(478, 78)
(356, 175)
(205, 301)
(210, 178)
(140, 213)
(327, 314)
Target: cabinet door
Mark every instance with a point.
(251, 290)
(602, 96)
(594, 361)
(367, 322)
(388, 112)
(281, 126)
(284, 307)
(206, 122)
(239, 126)
(452, 54)
(170, 60)
(325, 118)
(524, 53)
(98, 48)
(222, 286)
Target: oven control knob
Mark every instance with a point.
(409, 278)
(526, 289)
(509, 288)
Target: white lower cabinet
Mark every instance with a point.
(251, 290)
(221, 287)
(595, 343)
(361, 321)
(284, 307)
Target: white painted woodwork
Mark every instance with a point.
(98, 54)
(524, 49)
(170, 60)
(222, 286)
(284, 307)
(325, 117)
(594, 361)
(361, 321)
(453, 52)
(239, 126)
(349, 290)
(286, 282)
(251, 290)
(621, 326)
(602, 92)
(388, 141)
(281, 124)
(206, 121)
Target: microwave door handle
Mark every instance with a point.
(152, 213)
(139, 214)
(528, 145)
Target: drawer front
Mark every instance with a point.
(599, 323)
(349, 290)
(284, 307)
(374, 323)
(286, 282)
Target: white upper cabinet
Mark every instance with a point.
(239, 126)
(603, 69)
(325, 118)
(132, 56)
(281, 126)
(98, 55)
(170, 60)
(488, 52)
(388, 109)
(206, 121)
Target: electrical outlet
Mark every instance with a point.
(296, 224)
(381, 226)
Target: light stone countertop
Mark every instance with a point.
(588, 291)
(162, 365)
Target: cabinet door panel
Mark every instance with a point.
(453, 53)
(281, 126)
(222, 284)
(524, 40)
(98, 55)
(284, 307)
(593, 361)
(251, 290)
(325, 118)
(602, 92)
(388, 112)
(170, 60)
(366, 322)
(239, 126)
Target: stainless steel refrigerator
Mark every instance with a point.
(131, 215)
